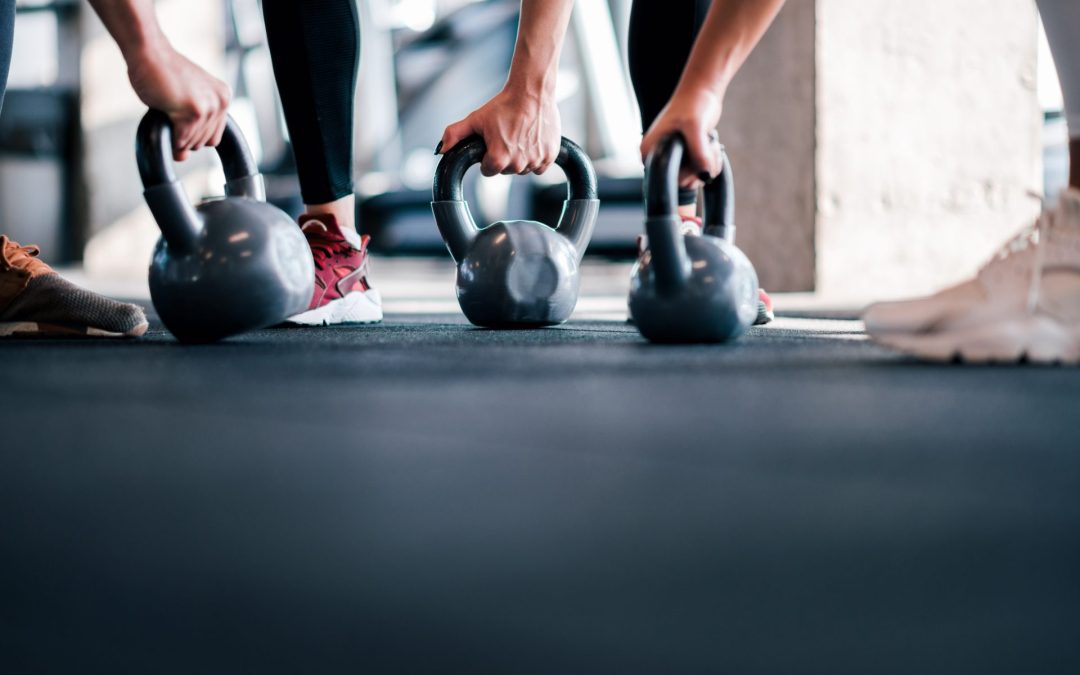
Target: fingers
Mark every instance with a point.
(503, 155)
(218, 124)
(497, 160)
(547, 158)
(702, 155)
(200, 123)
(455, 133)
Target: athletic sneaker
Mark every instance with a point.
(342, 291)
(1024, 303)
(692, 226)
(36, 301)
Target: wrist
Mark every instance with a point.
(145, 47)
(536, 85)
(700, 95)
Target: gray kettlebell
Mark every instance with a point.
(687, 288)
(228, 265)
(516, 273)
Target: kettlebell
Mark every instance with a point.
(516, 273)
(687, 288)
(228, 265)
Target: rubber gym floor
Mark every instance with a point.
(427, 497)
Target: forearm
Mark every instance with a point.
(732, 29)
(133, 25)
(541, 31)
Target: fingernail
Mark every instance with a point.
(438, 148)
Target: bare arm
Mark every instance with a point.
(521, 124)
(732, 29)
(163, 78)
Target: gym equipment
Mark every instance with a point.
(230, 264)
(688, 288)
(40, 133)
(516, 273)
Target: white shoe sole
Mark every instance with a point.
(355, 307)
(1037, 339)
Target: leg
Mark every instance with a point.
(315, 48)
(1061, 19)
(7, 35)
(655, 71)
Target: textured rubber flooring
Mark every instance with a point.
(425, 497)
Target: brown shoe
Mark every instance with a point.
(36, 301)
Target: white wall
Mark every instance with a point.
(928, 136)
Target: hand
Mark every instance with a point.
(694, 115)
(195, 101)
(522, 131)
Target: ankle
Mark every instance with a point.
(343, 211)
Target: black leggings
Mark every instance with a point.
(315, 47)
(662, 33)
(7, 37)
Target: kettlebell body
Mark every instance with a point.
(229, 265)
(718, 303)
(516, 273)
(247, 269)
(688, 288)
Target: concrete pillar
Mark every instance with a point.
(768, 127)
(885, 147)
(929, 138)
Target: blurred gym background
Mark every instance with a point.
(881, 147)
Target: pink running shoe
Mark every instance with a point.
(342, 292)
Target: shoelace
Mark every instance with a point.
(18, 256)
(1030, 236)
(323, 250)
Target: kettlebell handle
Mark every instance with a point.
(456, 222)
(450, 174)
(662, 188)
(153, 151)
(163, 191)
(663, 223)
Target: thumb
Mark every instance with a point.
(702, 155)
(454, 134)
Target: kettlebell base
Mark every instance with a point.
(667, 338)
(515, 325)
(486, 319)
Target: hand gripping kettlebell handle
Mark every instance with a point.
(450, 174)
(452, 212)
(163, 191)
